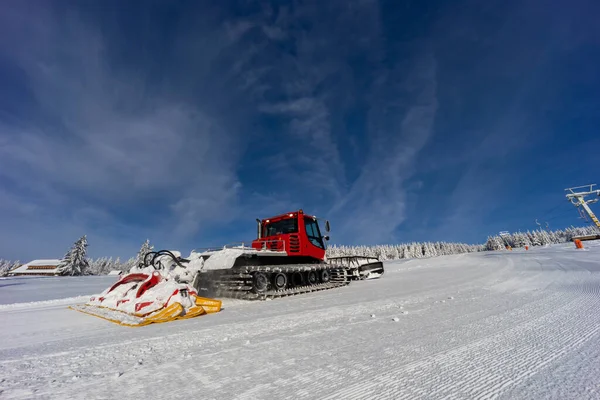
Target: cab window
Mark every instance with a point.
(281, 227)
(313, 232)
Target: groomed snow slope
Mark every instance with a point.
(511, 325)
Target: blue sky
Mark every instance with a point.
(397, 120)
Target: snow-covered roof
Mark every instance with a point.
(37, 267)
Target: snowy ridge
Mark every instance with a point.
(45, 303)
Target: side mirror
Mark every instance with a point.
(326, 237)
(327, 226)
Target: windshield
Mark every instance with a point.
(280, 227)
(313, 232)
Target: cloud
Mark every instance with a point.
(318, 165)
(310, 86)
(332, 70)
(301, 107)
(104, 140)
(238, 28)
(376, 203)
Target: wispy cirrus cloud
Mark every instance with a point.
(106, 142)
(314, 161)
(399, 130)
(308, 89)
(333, 69)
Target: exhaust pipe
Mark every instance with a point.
(258, 228)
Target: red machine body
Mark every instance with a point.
(295, 233)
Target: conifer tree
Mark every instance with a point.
(145, 249)
(75, 261)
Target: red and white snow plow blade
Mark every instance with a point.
(147, 296)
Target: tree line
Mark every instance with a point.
(406, 250)
(76, 262)
(540, 237)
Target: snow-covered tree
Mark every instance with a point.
(405, 253)
(418, 250)
(5, 266)
(97, 266)
(494, 243)
(145, 249)
(127, 265)
(75, 261)
(426, 250)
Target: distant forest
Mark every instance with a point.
(102, 266)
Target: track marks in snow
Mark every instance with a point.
(511, 317)
(483, 369)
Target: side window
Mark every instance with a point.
(310, 230)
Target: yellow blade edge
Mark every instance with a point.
(166, 314)
(193, 312)
(209, 305)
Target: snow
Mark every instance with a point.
(224, 259)
(373, 275)
(24, 289)
(44, 303)
(42, 262)
(515, 325)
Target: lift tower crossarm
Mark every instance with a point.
(577, 198)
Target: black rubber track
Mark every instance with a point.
(239, 282)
